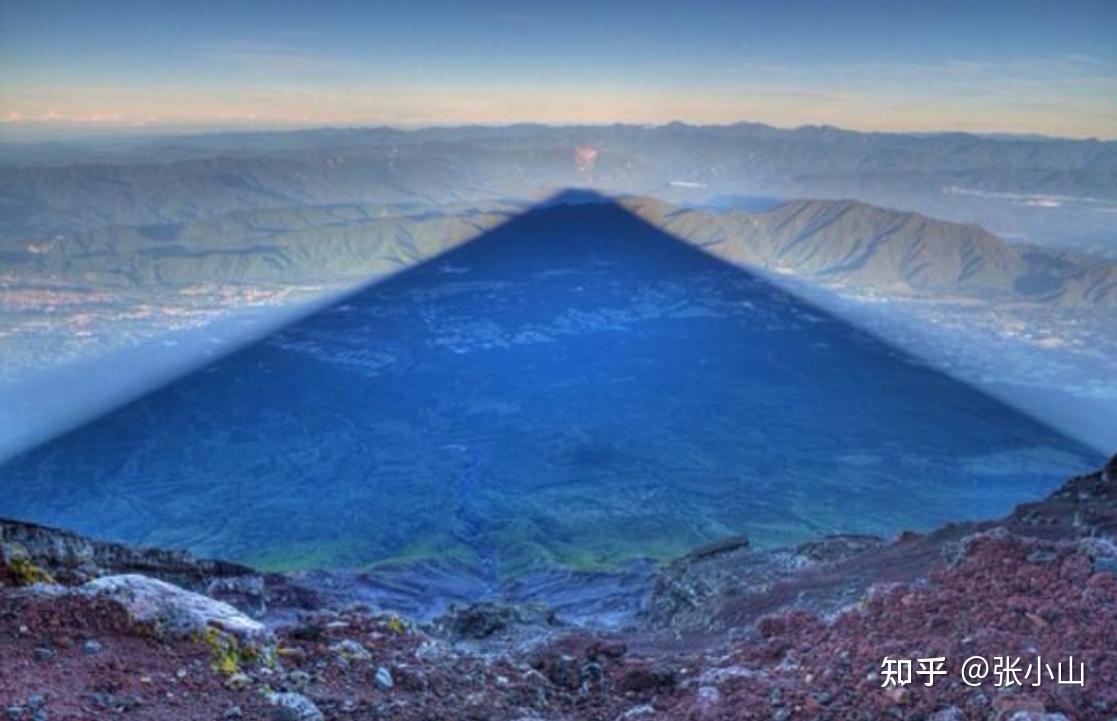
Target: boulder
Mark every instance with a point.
(485, 619)
(175, 611)
(294, 707)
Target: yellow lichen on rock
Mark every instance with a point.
(20, 569)
(225, 651)
(230, 655)
(396, 624)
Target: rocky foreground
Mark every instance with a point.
(97, 631)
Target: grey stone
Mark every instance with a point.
(294, 707)
(351, 650)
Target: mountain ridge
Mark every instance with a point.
(858, 244)
(835, 241)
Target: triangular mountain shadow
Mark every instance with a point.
(575, 387)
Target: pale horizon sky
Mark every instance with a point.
(124, 67)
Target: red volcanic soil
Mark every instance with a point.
(1038, 585)
(74, 658)
(1007, 596)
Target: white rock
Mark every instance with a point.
(718, 676)
(174, 610)
(294, 707)
(351, 650)
(706, 701)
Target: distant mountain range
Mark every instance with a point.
(858, 245)
(831, 241)
(1044, 190)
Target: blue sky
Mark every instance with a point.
(1018, 66)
